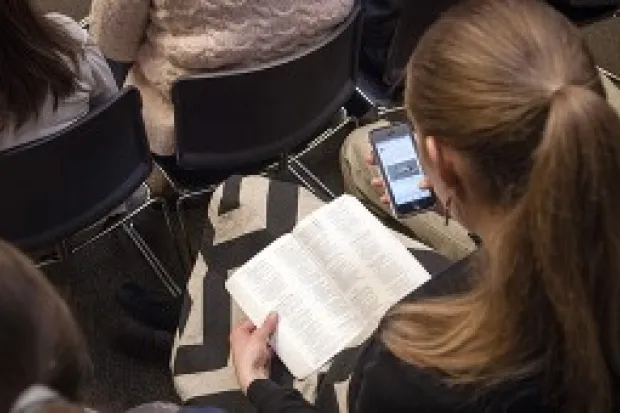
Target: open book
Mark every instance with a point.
(330, 280)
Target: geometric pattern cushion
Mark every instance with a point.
(244, 216)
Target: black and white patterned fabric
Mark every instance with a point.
(245, 215)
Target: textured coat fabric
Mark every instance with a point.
(171, 38)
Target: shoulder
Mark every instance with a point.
(70, 26)
(447, 277)
(384, 381)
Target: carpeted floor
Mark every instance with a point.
(89, 280)
(130, 362)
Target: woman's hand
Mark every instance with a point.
(380, 185)
(251, 353)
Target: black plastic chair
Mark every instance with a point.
(384, 90)
(226, 120)
(59, 185)
(239, 121)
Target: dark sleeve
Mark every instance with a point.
(447, 277)
(379, 377)
(376, 368)
(267, 397)
(383, 383)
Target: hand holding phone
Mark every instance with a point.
(379, 184)
(395, 153)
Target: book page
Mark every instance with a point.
(367, 262)
(315, 320)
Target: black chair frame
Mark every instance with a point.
(65, 187)
(275, 155)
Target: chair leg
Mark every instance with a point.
(152, 260)
(60, 254)
(63, 250)
(283, 162)
(113, 227)
(187, 245)
(179, 244)
(363, 96)
(304, 182)
(185, 241)
(303, 173)
(311, 176)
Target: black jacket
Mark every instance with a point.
(383, 383)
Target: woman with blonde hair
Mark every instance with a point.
(521, 147)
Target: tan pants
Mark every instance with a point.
(429, 227)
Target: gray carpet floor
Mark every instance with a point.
(130, 361)
(91, 277)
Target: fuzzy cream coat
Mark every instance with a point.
(171, 38)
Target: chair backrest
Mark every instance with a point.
(57, 185)
(229, 119)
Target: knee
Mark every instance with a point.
(356, 147)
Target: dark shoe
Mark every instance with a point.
(157, 311)
(138, 341)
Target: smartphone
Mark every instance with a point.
(395, 152)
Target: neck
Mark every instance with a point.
(485, 222)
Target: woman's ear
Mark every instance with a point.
(441, 158)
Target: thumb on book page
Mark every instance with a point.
(269, 326)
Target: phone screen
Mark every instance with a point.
(396, 153)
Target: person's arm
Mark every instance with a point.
(373, 384)
(118, 27)
(104, 84)
(94, 70)
(251, 356)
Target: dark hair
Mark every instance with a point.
(37, 57)
(40, 342)
(511, 86)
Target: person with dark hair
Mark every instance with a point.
(43, 354)
(51, 73)
(40, 342)
(520, 145)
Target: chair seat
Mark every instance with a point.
(196, 180)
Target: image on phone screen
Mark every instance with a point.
(399, 162)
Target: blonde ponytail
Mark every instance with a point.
(510, 86)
